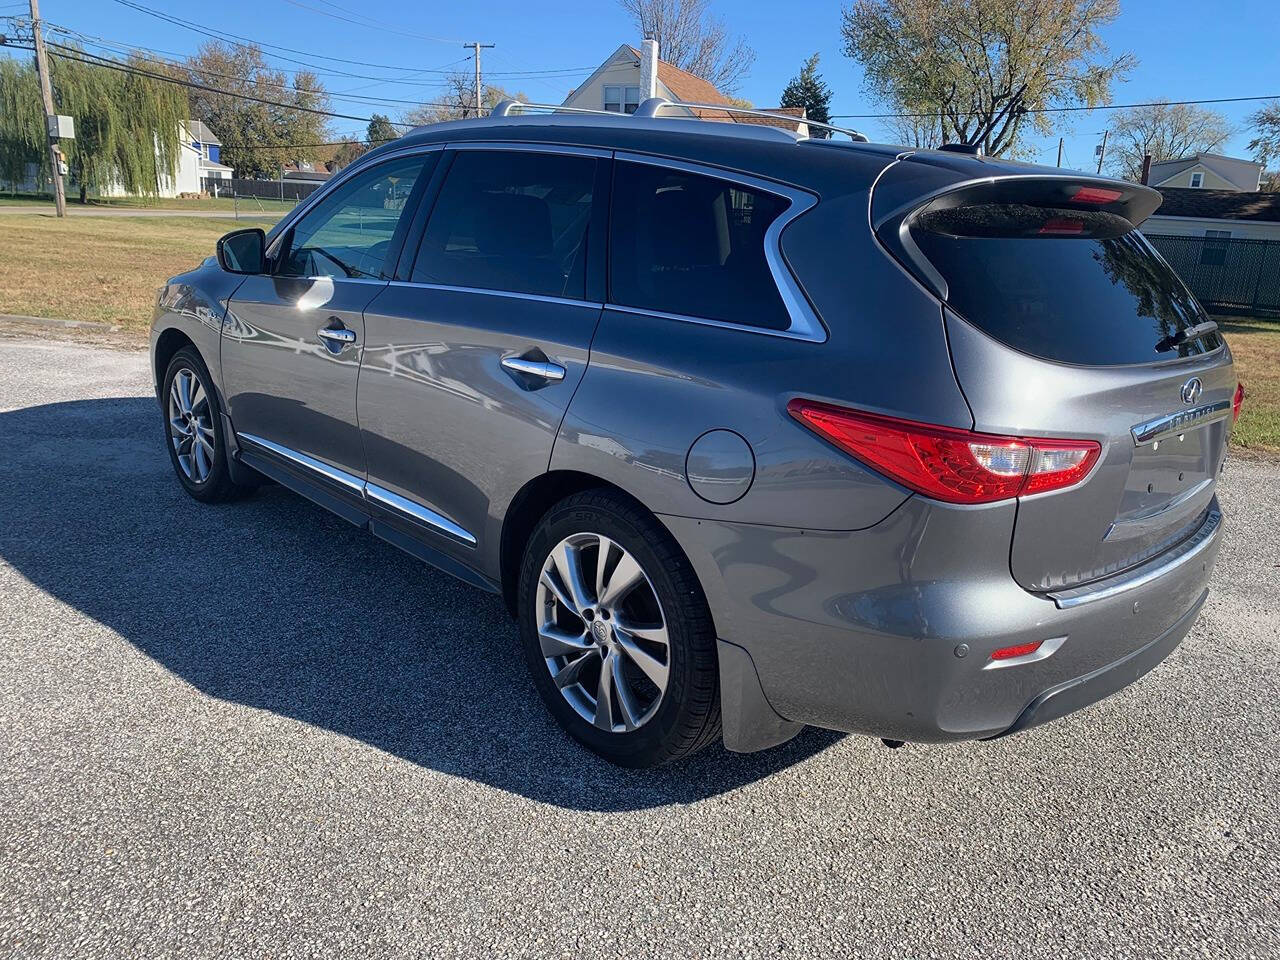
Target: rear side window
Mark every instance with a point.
(693, 245)
(1080, 287)
(506, 220)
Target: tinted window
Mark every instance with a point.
(1066, 285)
(511, 221)
(349, 231)
(693, 245)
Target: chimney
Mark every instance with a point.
(1146, 168)
(648, 69)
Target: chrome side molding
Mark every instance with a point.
(362, 487)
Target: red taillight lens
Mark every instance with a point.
(957, 466)
(1097, 195)
(1237, 401)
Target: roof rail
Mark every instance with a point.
(654, 106)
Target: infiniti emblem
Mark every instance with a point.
(1191, 390)
(600, 630)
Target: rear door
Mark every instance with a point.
(292, 344)
(1063, 321)
(473, 353)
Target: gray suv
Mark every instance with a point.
(750, 432)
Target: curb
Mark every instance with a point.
(55, 322)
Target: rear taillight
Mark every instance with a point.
(957, 466)
(1237, 401)
(1095, 195)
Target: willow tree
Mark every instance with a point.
(128, 124)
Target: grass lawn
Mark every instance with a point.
(1256, 347)
(104, 269)
(250, 204)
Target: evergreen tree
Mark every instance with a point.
(380, 130)
(808, 90)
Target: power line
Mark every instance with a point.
(1106, 106)
(109, 64)
(364, 22)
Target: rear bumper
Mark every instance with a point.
(889, 631)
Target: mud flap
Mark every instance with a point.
(748, 721)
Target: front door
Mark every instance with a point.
(472, 357)
(293, 338)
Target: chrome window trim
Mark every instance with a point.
(411, 508)
(805, 324)
(361, 487)
(1147, 573)
(600, 153)
(510, 294)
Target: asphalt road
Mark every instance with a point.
(253, 731)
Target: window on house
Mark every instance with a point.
(1197, 179)
(1214, 251)
(687, 244)
(621, 99)
(510, 221)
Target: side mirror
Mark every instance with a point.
(243, 251)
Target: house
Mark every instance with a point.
(629, 76)
(1216, 214)
(1207, 171)
(209, 149)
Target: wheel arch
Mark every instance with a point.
(168, 343)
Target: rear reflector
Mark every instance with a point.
(1237, 401)
(1018, 650)
(955, 466)
(1096, 195)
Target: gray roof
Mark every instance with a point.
(202, 133)
(1242, 174)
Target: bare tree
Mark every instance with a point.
(987, 69)
(1266, 144)
(923, 133)
(694, 39)
(458, 101)
(1167, 131)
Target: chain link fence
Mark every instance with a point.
(282, 190)
(1226, 275)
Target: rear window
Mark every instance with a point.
(1074, 286)
(687, 244)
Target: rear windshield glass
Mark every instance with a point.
(1073, 286)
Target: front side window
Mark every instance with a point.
(693, 245)
(348, 233)
(621, 99)
(512, 221)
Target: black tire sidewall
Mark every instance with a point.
(692, 643)
(215, 485)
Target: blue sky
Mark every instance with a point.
(1185, 49)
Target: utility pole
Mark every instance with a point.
(1102, 151)
(46, 92)
(476, 47)
(1060, 151)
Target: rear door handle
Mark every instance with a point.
(543, 369)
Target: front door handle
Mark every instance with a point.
(341, 335)
(542, 369)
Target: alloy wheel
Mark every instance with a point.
(191, 425)
(602, 632)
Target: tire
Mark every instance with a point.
(570, 635)
(203, 472)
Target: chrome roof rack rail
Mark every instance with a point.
(509, 108)
(653, 107)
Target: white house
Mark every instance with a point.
(209, 147)
(629, 76)
(1207, 171)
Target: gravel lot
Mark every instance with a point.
(254, 731)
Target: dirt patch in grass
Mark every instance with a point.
(98, 269)
(1255, 344)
